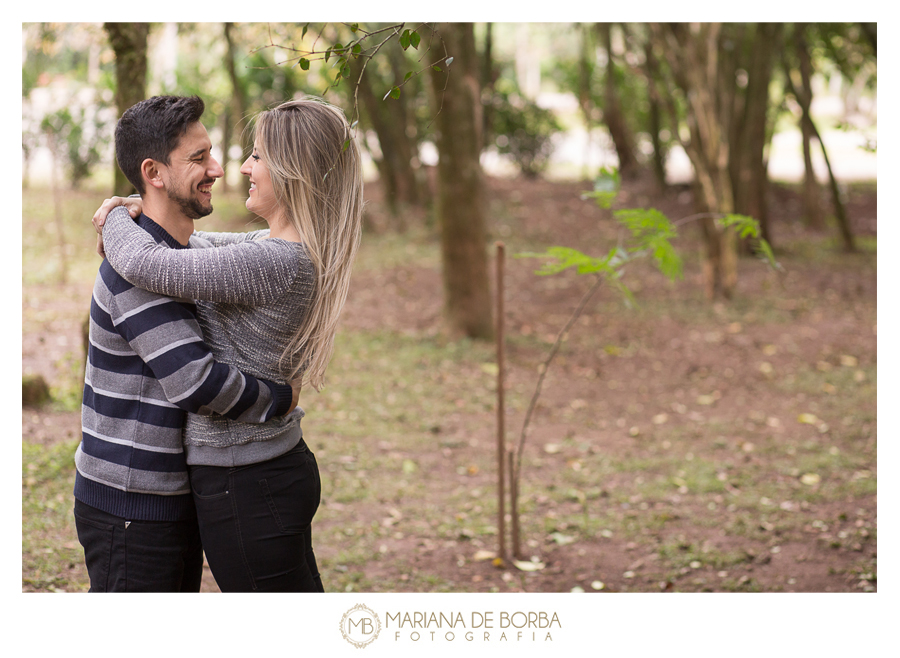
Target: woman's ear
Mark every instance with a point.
(151, 172)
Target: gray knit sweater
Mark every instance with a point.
(252, 292)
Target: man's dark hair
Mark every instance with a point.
(152, 129)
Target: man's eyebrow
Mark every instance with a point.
(199, 151)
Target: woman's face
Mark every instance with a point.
(262, 195)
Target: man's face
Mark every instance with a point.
(191, 172)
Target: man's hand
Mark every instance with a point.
(295, 398)
(132, 204)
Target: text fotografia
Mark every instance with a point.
(480, 626)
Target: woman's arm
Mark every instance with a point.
(220, 239)
(249, 272)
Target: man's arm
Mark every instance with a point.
(165, 335)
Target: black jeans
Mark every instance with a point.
(255, 522)
(139, 556)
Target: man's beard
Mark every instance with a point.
(190, 206)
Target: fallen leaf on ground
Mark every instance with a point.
(810, 478)
(523, 565)
(484, 555)
(562, 539)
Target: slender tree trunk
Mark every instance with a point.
(129, 43)
(487, 82)
(612, 110)
(235, 115)
(55, 147)
(585, 101)
(804, 97)
(839, 210)
(460, 199)
(812, 206)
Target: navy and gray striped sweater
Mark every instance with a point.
(147, 365)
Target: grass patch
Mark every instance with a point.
(52, 558)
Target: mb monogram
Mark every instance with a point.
(360, 626)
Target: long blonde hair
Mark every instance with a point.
(316, 171)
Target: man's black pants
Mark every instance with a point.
(139, 556)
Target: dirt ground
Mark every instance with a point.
(634, 388)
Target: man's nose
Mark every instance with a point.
(215, 169)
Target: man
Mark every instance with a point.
(147, 366)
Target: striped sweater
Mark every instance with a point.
(147, 365)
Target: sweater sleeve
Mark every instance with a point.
(252, 272)
(220, 239)
(166, 336)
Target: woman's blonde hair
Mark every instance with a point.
(316, 171)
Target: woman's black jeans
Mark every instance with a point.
(255, 522)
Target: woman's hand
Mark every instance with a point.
(295, 398)
(132, 204)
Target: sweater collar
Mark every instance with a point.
(159, 233)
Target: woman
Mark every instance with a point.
(268, 302)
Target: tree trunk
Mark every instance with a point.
(613, 117)
(390, 122)
(487, 82)
(839, 210)
(697, 68)
(651, 68)
(460, 199)
(749, 173)
(804, 98)
(236, 114)
(812, 207)
(129, 43)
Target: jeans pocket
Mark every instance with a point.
(292, 496)
(209, 482)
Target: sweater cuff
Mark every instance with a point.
(282, 395)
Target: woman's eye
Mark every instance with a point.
(255, 157)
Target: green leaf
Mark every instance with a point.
(565, 258)
(395, 93)
(437, 68)
(357, 49)
(354, 27)
(404, 40)
(746, 227)
(305, 28)
(304, 64)
(414, 39)
(346, 145)
(407, 76)
(766, 250)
